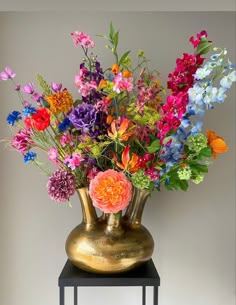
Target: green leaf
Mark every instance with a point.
(205, 152)
(45, 103)
(183, 185)
(77, 102)
(200, 167)
(155, 146)
(116, 39)
(123, 57)
(102, 36)
(204, 47)
(44, 85)
(167, 139)
(111, 31)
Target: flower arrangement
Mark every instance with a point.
(124, 130)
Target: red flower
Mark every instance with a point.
(41, 119)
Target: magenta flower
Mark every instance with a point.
(73, 161)
(22, 141)
(83, 39)
(28, 88)
(61, 185)
(8, 73)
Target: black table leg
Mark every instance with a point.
(62, 297)
(75, 296)
(155, 295)
(144, 295)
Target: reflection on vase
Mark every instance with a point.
(111, 243)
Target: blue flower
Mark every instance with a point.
(109, 76)
(66, 123)
(172, 153)
(27, 110)
(13, 117)
(29, 156)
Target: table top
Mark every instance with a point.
(144, 275)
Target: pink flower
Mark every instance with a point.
(73, 161)
(122, 84)
(83, 39)
(65, 139)
(110, 191)
(53, 155)
(8, 73)
(22, 141)
(28, 88)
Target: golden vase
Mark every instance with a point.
(111, 243)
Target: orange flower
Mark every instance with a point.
(115, 68)
(61, 101)
(121, 133)
(110, 191)
(129, 164)
(217, 144)
(109, 119)
(126, 74)
(102, 83)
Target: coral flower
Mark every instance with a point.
(110, 191)
(61, 101)
(115, 68)
(121, 133)
(130, 164)
(217, 144)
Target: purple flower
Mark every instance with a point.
(17, 88)
(83, 117)
(56, 87)
(61, 185)
(28, 88)
(8, 73)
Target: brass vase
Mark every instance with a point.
(111, 243)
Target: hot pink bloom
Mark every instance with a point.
(196, 42)
(53, 155)
(22, 141)
(110, 191)
(65, 139)
(8, 73)
(83, 39)
(84, 86)
(73, 161)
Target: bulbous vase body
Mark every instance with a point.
(111, 243)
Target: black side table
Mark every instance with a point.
(145, 275)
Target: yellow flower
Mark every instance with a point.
(60, 102)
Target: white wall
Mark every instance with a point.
(194, 232)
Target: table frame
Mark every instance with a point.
(143, 276)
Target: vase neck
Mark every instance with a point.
(88, 210)
(135, 210)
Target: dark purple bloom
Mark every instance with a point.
(17, 88)
(61, 185)
(56, 87)
(83, 117)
